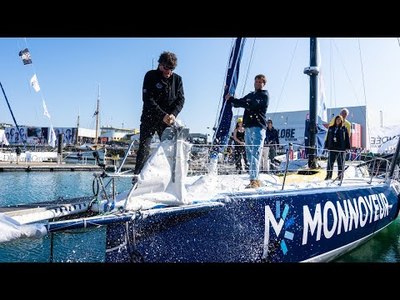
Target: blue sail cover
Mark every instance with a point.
(221, 134)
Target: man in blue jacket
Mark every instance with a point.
(255, 106)
(163, 99)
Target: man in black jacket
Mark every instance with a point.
(271, 140)
(163, 99)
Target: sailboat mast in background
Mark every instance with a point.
(77, 130)
(12, 114)
(97, 118)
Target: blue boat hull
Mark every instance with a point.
(257, 227)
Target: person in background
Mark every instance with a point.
(271, 142)
(337, 142)
(255, 106)
(343, 113)
(79, 155)
(18, 152)
(163, 99)
(239, 150)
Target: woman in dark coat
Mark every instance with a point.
(337, 142)
(239, 150)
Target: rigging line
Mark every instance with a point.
(286, 75)
(42, 96)
(362, 72)
(363, 81)
(347, 73)
(332, 86)
(248, 66)
(222, 93)
(248, 71)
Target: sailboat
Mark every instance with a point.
(95, 152)
(169, 217)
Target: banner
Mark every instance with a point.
(26, 56)
(35, 83)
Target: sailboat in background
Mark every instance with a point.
(169, 217)
(89, 152)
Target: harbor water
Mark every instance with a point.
(88, 245)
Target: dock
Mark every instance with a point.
(45, 167)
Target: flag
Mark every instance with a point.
(35, 83)
(52, 137)
(45, 111)
(321, 109)
(26, 56)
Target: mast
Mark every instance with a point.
(221, 133)
(313, 71)
(97, 117)
(12, 114)
(77, 130)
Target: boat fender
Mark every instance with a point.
(95, 186)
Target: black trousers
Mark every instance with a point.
(240, 152)
(147, 131)
(272, 153)
(333, 156)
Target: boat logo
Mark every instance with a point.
(284, 222)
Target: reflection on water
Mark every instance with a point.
(383, 247)
(25, 250)
(28, 187)
(86, 245)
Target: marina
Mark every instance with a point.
(191, 205)
(46, 167)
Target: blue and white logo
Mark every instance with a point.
(278, 227)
